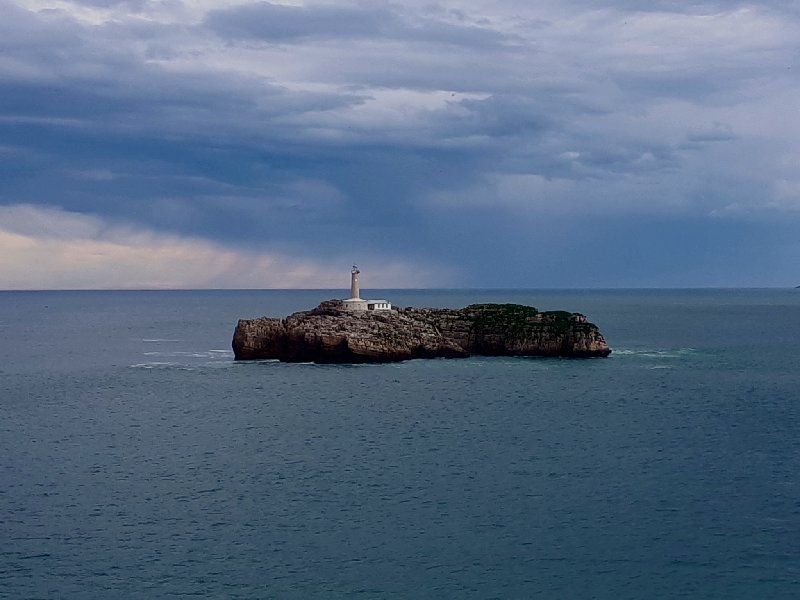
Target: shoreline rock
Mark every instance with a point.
(330, 334)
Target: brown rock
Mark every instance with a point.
(329, 334)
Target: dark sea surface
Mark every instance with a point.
(137, 460)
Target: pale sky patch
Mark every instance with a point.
(54, 249)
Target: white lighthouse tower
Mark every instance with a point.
(354, 302)
(355, 289)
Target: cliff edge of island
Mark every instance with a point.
(332, 334)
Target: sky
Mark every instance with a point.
(435, 143)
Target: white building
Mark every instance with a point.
(355, 302)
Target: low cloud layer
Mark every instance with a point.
(458, 140)
(51, 248)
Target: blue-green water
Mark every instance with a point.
(137, 460)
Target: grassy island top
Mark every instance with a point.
(519, 316)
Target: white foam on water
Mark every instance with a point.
(655, 353)
(181, 353)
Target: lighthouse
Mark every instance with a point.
(355, 303)
(355, 290)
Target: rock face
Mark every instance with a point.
(329, 334)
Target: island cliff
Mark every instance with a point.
(331, 334)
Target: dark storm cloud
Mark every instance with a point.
(718, 133)
(129, 4)
(417, 129)
(266, 21)
(690, 7)
(281, 23)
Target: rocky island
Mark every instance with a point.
(333, 333)
(369, 331)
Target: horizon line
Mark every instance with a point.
(400, 289)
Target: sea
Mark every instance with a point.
(139, 460)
